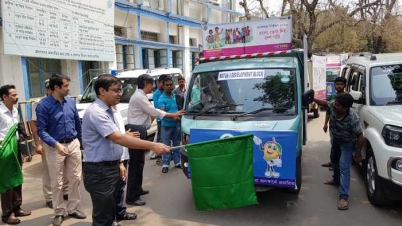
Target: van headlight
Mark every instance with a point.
(185, 138)
(392, 135)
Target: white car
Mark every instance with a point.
(129, 83)
(375, 82)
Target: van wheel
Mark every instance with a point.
(375, 191)
(298, 176)
(316, 113)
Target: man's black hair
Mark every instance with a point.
(162, 78)
(168, 78)
(181, 78)
(105, 81)
(5, 90)
(143, 79)
(57, 80)
(345, 99)
(340, 79)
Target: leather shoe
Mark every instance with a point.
(22, 213)
(144, 192)
(115, 224)
(58, 219)
(49, 204)
(11, 219)
(78, 214)
(137, 202)
(126, 217)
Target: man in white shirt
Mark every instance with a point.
(11, 200)
(140, 111)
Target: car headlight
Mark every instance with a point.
(392, 136)
(185, 138)
(398, 164)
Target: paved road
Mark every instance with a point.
(170, 200)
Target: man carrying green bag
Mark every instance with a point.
(222, 173)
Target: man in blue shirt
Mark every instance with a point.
(103, 141)
(170, 126)
(59, 128)
(155, 96)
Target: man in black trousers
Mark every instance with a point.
(11, 200)
(140, 111)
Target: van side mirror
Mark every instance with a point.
(357, 97)
(308, 98)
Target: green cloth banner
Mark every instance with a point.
(222, 173)
(10, 169)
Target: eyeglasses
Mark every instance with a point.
(117, 90)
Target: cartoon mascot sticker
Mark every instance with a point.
(272, 154)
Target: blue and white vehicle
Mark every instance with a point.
(259, 95)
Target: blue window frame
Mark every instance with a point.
(38, 70)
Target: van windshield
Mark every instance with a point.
(129, 85)
(243, 91)
(386, 85)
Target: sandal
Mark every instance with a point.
(328, 164)
(159, 162)
(330, 182)
(343, 204)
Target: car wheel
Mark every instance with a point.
(298, 176)
(374, 188)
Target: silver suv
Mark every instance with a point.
(375, 82)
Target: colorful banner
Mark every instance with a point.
(319, 76)
(274, 154)
(246, 37)
(344, 58)
(333, 61)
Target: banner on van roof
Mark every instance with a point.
(246, 37)
(319, 76)
(274, 154)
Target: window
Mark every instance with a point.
(38, 71)
(385, 85)
(149, 36)
(145, 58)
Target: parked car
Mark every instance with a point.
(129, 85)
(375, 82)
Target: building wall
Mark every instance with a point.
(13, 69)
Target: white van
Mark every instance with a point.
(129, 83)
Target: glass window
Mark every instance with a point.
(386, 85)
(270, 89)
(38, 71)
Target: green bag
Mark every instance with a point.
(222, 173)
(10, 168)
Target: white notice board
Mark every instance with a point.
(59, 29)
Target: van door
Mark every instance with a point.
(357, 86)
